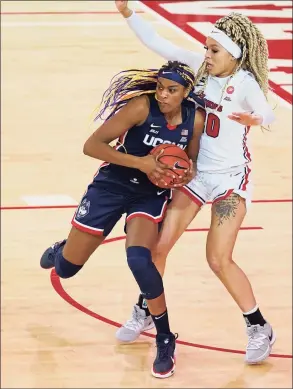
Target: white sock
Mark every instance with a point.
(251, 311)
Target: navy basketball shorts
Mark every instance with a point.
(100, 208)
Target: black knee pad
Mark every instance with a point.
(145, 272)
(64, 268)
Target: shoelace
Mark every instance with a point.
(255, 338)
(56, 244)
(136, 322)
(164, 349)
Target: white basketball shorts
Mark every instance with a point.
(215, 186)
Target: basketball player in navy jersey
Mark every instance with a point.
(148, 107)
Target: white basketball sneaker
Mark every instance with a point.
(260, 342)
(138, 323)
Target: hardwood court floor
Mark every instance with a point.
(54, 70)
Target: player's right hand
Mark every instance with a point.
(121, 5)
(155, 169)
(188, 175)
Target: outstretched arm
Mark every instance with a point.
(151, 39)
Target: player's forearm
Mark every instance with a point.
(161, 46)
(145, 32)
(266, 116)
(194, 144)
(104, 152)
(193, 149)
(263, 115)
(256, 103)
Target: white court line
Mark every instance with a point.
(57, 199)
(66, 24)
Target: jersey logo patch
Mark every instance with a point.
(83, 209)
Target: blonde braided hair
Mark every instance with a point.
(254, 48)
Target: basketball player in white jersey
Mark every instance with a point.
(232, 81)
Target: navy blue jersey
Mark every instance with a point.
(140, 140)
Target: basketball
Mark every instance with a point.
(174, 157)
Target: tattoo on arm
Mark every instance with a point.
(226, 209)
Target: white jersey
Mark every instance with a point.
(224, 141)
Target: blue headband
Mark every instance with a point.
(173, 76)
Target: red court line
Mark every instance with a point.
(280, 91)
(207, 229)
(273, 201)
(116, 238)
(24, 207)
(64, 13)
(56, 283)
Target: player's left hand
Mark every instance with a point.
(246, 118)
(188, 176)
